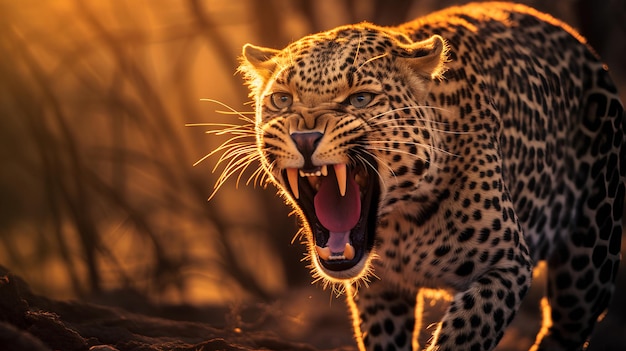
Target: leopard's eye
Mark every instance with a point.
(360, 100)
(281, 100)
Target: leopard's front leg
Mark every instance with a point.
(384, 317)
(475, 320)
(477, 317)
(488, 300)
(483, 307)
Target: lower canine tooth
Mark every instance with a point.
(348, 252)
(323, 252)
(292, 178)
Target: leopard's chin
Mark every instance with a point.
(340, 204)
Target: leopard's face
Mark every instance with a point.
(339, 125)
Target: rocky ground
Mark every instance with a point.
(309, 319)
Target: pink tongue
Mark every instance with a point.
(338, 214)
(337, 241)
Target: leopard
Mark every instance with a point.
(455, 153)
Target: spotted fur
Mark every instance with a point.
(477, 141)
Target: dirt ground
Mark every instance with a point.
(305, 319)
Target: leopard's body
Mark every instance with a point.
(476, 142)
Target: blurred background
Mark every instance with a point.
(98, 192)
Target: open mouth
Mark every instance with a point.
(340, 204)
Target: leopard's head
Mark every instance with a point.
(340, 128)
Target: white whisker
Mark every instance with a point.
(410, 128)
(391, 150)
(238, 152)
(231, 110)
(370, 60)
(233, 153)
(226, 128)
(414, 107)
(406, 142)
(356, 52)
(230, 150)
(379, 161)
(422, 118)
(235, 165)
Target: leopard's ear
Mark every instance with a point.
(426, 58)
(258, 59)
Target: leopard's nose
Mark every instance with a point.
(307, 142)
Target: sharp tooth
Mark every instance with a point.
(292, 177)
(302, 174)
(340, 172)
(323, 252)
(348, 252)
(324, 170)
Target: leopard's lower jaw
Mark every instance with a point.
(327, 255)
(355, 272)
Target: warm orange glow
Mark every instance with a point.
(356, 319)
(434, 295)
(98, 166)
(546, 323)
(419, 312)
(99, 172)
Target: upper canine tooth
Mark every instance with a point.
(340, 172)
(302, 173)
(292, 177)
(324, 170)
